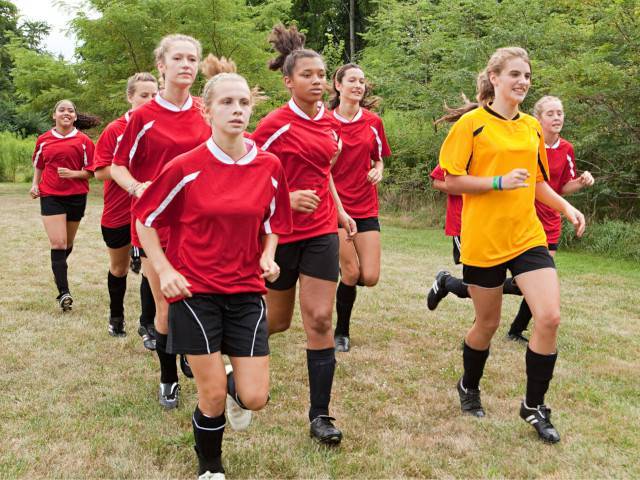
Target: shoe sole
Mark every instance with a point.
(331, 440)
(118, 335)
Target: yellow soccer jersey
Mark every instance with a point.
(497, 225)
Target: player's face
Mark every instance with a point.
(230, 108)
(352, 86)
(552, 117)
(65, 115)
(180, 64)
(144, 91)
(309, 80)
(512, 83)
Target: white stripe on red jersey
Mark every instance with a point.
(216, 211)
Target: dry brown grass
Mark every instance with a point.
(77, 403)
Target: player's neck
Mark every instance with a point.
(550, 138)
(175, 95)
(232, 145)
(505, 109)
(310, 108)
(348, 109)
(64, 131)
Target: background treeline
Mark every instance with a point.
(418, 54)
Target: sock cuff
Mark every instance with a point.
(112, 278)
(542, 358)
(346, 293)
(161, 341)
(58, 254)
(203, 422)
(468, 349)
(326, 353)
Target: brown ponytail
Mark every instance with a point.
(368, 101)
(289, 43)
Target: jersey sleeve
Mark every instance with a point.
(542, 173)
(569, 170)
(38, 157)
(105, 148)
(384, 150)
(267, 132)
(457, 148)
(132, 139)
(89, 152)
(161, 203)
(277, 217)
(437, 173)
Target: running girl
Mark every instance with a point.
(495, 157)
(356, 174)
(301, 133)
(116, 214)
(224, 205)
(61, 162)
(158, 131)
(564, 181)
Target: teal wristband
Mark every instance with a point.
(496, 185)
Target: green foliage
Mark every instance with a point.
(612, 238)
(15, 155)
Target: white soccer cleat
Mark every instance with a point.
(211, 476)
(239, 418)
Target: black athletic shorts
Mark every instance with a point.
(456, 249)
(316, 257)
(71, 205)
(235, 325)
(371, 224)
(553, 247)
(116, 237)
(493, 277)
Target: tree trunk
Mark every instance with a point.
(352, 30)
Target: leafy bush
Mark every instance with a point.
(613, 238)
(15, 157)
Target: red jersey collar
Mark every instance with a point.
(298, 111)
(72, 133)
(216, 151)
(342, 119)
(170, 106)
(555, 145)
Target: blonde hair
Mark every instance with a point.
(138, 77)
(166, 42)
(538, 108)
(220, 69)
(485, 92)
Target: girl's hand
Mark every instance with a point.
(34, 191)
(586, 179)
(173, 284)
(270, 269)
(140, 188)
(576, 217)
(305, 201)
(516, 178)
(374, 176)
(346, 222)
(66, 173)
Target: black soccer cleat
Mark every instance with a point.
(116, 327)
(438, 290)
(324, 431)
(185, 367)
(517, 337)
(169, 395)
(148, 337)
(65, 300)
(135, 265)
(540, 419)
(342, 343)
(470, 400)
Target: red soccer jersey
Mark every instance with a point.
(217, 211)
(53, 150)
(117, 202)
(305, 146)
(157, 132)
(363, 143)
(453, 221)
(561, 170)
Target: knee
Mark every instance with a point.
(211, 399)
(548, 322)
(349, 273)
(488, 325)
(277, 325)
(255, 400)
(58, 244)
(319, 321)
(369, 279)
(119, 270)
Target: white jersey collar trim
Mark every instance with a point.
(127, 116)
(56, 134)
(216, 151)
(298, 111)
(342, 119)
(170, 106)
(555, 145)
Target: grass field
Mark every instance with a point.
(76, 403)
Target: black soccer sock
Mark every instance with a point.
(473, 361)
(321, 365)
(345, 298)
(208, 432)
(455, 286)
(510, 287)
(117, 288)
(231, 390)
(68, 251)
(539, 375)
(521, 322)
(147, 305)
(59, 267)
(168, 367)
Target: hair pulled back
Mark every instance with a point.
(289, 43)
(485, 93)
(538, 108)
(84, 121)
(168, 40)
(367, 101)
(217, 70)
(138, 77)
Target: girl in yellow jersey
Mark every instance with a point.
(495, 157)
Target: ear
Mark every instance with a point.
(288, 82)
(337, 85)
(493, 78)
(161, 67)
